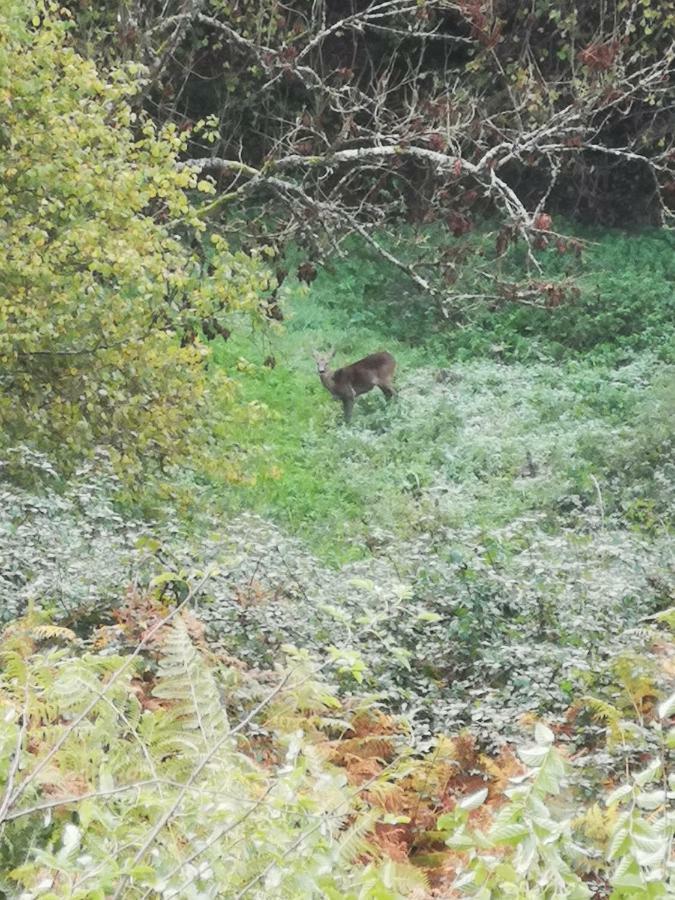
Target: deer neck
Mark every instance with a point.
(327, 380)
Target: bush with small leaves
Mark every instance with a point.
(98, 275)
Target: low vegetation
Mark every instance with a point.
(491, 549)
(250, 649)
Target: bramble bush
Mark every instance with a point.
(487, 591)
(540, 845)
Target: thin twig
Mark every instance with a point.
(16, 757)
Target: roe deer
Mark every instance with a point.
(347, 383)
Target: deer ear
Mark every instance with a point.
(331, 353)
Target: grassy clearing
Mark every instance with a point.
(454, 447)
(310, 472)
(490, 542)
(501, 530)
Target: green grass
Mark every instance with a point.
(450, 452)
(626, 303)
(297, 449)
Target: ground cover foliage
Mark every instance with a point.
(612, 297)
(130, 768)
(492, 549)
(250, 651)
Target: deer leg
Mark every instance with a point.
(387, 391)
(348, 406)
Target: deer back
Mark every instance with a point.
(374, 370)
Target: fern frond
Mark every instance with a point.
(385, 794)
(667, 616)
(14, 666)
(635, 674)
(286, 723)
(329, 723)
(53, 633)
(368, 746)
(353, 842)
(185, 682)
(608, 714)
(406, 879)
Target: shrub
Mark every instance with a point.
(530, 851)
(97, 276)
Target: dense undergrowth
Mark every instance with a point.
(131, 768)
(493, 547)
(503, 528)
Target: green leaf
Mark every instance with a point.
(148, 543)
(628, 880)
(450, 820)
(163, 578)
(667, 708)
(145, 874)
(651, 799)
(618, 794)
(70, 838)
(473, 801)
(648, 774)
(508, 833)
(618, 843)
(428, 616)
(460, 841)
(543, 735)
(533, 756)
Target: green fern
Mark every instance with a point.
(189, 690)
(354, 843)
(405, 878)
(610, 715)
(53, 633)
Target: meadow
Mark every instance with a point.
(502, 530)
(490, 552)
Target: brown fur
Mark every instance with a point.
(349, 382)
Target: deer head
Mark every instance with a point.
(322, 360)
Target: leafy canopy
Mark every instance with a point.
(101, 265)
